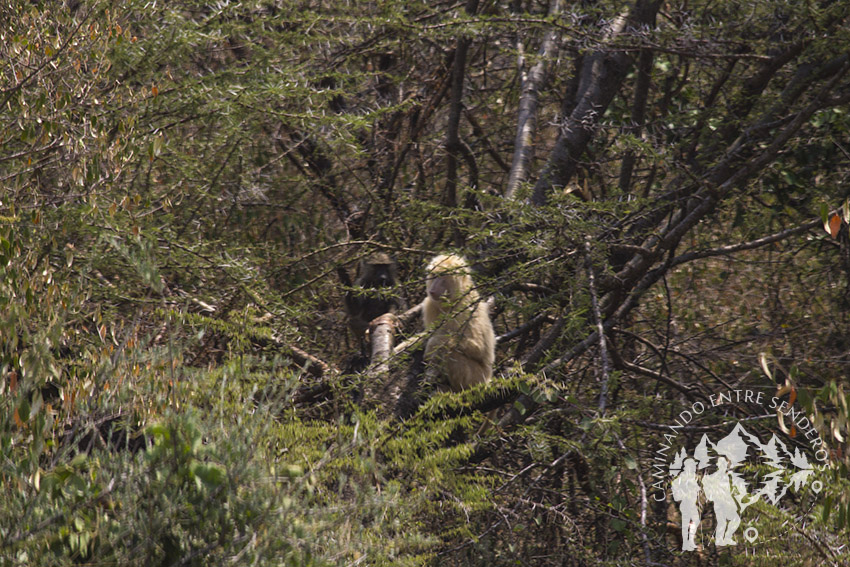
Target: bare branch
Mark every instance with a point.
(656, 376)
(751, 245)
(533, 323)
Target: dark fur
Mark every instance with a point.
(374, 293)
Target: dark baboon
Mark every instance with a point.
(463, 344)
(374, 293)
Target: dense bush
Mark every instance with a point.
(653, 197)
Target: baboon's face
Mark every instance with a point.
(441, 288)
(382, 275)
(448, 278)
(378, 271)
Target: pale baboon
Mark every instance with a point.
(374, 292)
(463, 344)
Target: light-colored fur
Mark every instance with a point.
(463, 344)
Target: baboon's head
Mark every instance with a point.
(448, 278)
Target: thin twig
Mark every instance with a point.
(600, 330)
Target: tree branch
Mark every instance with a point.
(602, 74)
(453, 143)
(751, 245)
(527, 112)
(600, 331)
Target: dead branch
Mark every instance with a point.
(310, 363)
(382, 333)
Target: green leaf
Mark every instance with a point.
(519, 407)
(824, 216)
(292, 471)
(210, 474)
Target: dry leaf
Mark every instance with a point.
(834, 225)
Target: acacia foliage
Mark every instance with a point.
(182, 180)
